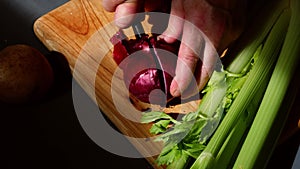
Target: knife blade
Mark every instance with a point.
(139, 32)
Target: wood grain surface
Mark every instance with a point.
(80, 30)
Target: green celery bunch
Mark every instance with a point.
(277, 99)
(232, 96)
(257, 78)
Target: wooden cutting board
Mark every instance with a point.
(80, 30)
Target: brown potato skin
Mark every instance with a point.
(25, 74)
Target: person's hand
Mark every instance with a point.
(124, 9)
(219, 20)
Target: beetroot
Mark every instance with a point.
(141, 75)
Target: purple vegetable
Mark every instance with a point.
(140, 73)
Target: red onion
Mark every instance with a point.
(140, 73)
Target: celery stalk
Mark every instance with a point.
(260, 71)
(182, 162)
(275, 93)
(234, 141)
(247, 45)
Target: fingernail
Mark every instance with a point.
(166, 38)
(160, 37)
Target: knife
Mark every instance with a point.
(139, 32)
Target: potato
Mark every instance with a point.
(25, 74)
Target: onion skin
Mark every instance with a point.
(141, 77)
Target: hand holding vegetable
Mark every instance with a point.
(221, 21)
